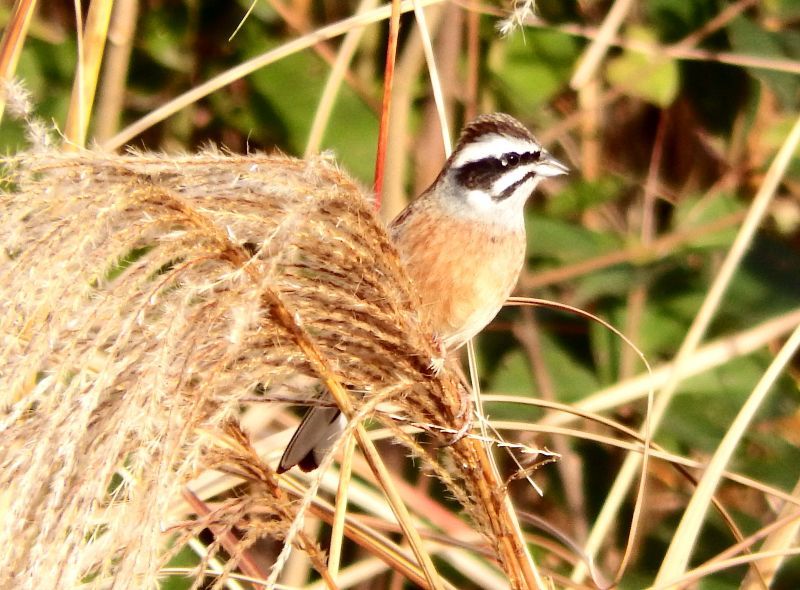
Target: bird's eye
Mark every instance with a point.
(513, 159)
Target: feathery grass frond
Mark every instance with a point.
(140, 311)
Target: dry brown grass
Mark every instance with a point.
(145, 299)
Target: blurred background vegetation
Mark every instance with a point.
(669, 138)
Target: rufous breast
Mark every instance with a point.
(463, 270)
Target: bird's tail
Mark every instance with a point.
(318, 431)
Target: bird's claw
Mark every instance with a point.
(462, 432)
(465, 414)
(437, 363)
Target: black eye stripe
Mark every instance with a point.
(482, 173)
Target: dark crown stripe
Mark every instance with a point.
(495, 123)
(474, 175)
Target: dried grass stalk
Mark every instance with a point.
(139, 308)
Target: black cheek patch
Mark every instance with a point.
(480, 174)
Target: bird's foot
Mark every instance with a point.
(464, 414)
(437, 363)
(461, 432)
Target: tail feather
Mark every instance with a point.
(318, 431)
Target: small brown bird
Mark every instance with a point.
(463, 245)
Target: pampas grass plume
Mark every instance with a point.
(140, 296)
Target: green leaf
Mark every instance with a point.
(530, 69)
(163, 39)
(580, 195)
(654, 79)
(706, 404)
(786, 10)
(560, 241)
(513, 375)
(749, 38)
(665, 322)
(613, 281)
(184, 558)
(572, 379)
(291, 88)
(697, 211)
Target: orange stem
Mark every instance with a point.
(388, 77)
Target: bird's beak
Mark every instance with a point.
(549, 166)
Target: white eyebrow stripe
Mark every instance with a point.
(493, 146)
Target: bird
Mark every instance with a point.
(462, 242)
